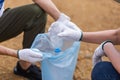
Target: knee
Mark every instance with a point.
(38, 13)
(97, 69)
(104, 71)
(100, 69)
(37, 9)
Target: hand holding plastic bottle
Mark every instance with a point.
(65, 32)
(30, 55)
(66, 29)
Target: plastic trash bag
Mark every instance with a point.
(60, 66)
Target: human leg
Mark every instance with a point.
(104, 71)
(30, 19)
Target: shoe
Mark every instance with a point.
(32, 73)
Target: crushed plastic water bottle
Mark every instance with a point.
(57, 43)
(48, 43)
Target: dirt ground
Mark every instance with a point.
(89, 15)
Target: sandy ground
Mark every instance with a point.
(89, 15)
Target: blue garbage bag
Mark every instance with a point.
(59, 66)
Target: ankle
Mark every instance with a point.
(24, 65)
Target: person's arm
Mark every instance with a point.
(100, 36)
(49, 7)
(30, 55)
(107, 49)
(77, 34)
(8, 51)
(113, 55)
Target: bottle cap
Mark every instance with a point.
(57, 50)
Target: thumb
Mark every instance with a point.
(67, 32)
(36, 53)
(63, 34)
(66, 35)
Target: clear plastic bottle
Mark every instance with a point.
(48, 43)
(57, 43)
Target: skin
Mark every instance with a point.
(49, 7)
(100, 36)
(8, 51)
(113, 55)
(110, 50)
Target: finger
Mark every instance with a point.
(63, 34)
(36, 54)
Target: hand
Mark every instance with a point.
(30, 55)
(97, 56)
(58, 26)
(66, 29)
(99, 53)
(71, 34)
(66, 21)
(64, 32)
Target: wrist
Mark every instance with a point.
(81, 36)
(105, 43)
(63, 17)
(13, 53)
(18, 54)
